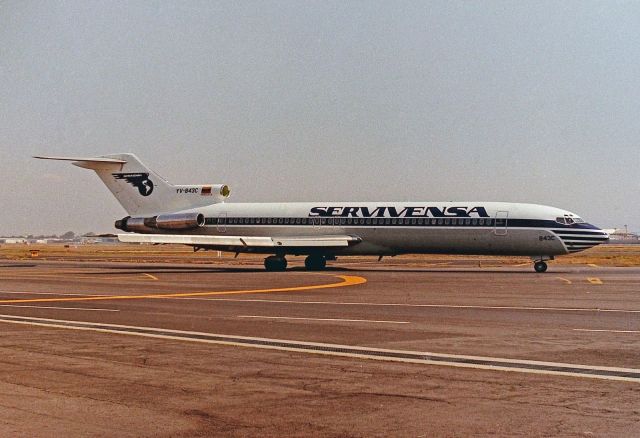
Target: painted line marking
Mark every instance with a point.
(347, 280)
(324, 319)
(59, 308)
(593, 265)
(437, 306)
(127, 277)
(52, 293)
(153, 277)
(594, 280)
(606, 331)
(565, 280)
(351, 351)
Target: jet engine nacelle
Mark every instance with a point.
(177, 221)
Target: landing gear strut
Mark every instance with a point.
(315, 263)
(540, 266)
(275, 263)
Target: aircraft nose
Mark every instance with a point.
(584, 238)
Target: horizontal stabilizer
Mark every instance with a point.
(95, 160)
(242, 241)
(95, 163)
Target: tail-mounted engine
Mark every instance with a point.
(178, 221)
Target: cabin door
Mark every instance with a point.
(221, 226)
(500, 223)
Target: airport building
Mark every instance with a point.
(622, 235)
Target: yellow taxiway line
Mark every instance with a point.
(347, 280)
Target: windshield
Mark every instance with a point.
(569, 220)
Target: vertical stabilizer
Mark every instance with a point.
(141, 191)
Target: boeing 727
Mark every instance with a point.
(199, 216)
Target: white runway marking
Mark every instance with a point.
(606, 331)
(60, 308)
(351, 351)
(442, 306)
(324, 319)
(52, 293)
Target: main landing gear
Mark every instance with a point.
(315, 263)
(277, 263)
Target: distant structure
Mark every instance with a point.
(622, 235)
(13, 240)
(76, 240)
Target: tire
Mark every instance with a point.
(540, 267)
(315, 263)
(275, 264)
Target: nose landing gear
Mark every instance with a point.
(540, 263)
(540, 266)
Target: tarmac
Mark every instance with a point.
(442, 349)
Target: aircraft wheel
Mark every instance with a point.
(315, 263)
(275, 264)
(540, 266)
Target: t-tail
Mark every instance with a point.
(141, 191)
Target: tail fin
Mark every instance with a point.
(143, 192)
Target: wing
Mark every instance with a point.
(245, 243)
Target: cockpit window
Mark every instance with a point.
(569, 220)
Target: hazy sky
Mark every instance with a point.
(302, 101)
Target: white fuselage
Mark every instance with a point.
(410, 227)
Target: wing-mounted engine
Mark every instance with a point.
(177, 221)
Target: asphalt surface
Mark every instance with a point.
(115, 349)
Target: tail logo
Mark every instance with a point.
(139, 180)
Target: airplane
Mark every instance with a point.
(199, 216)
